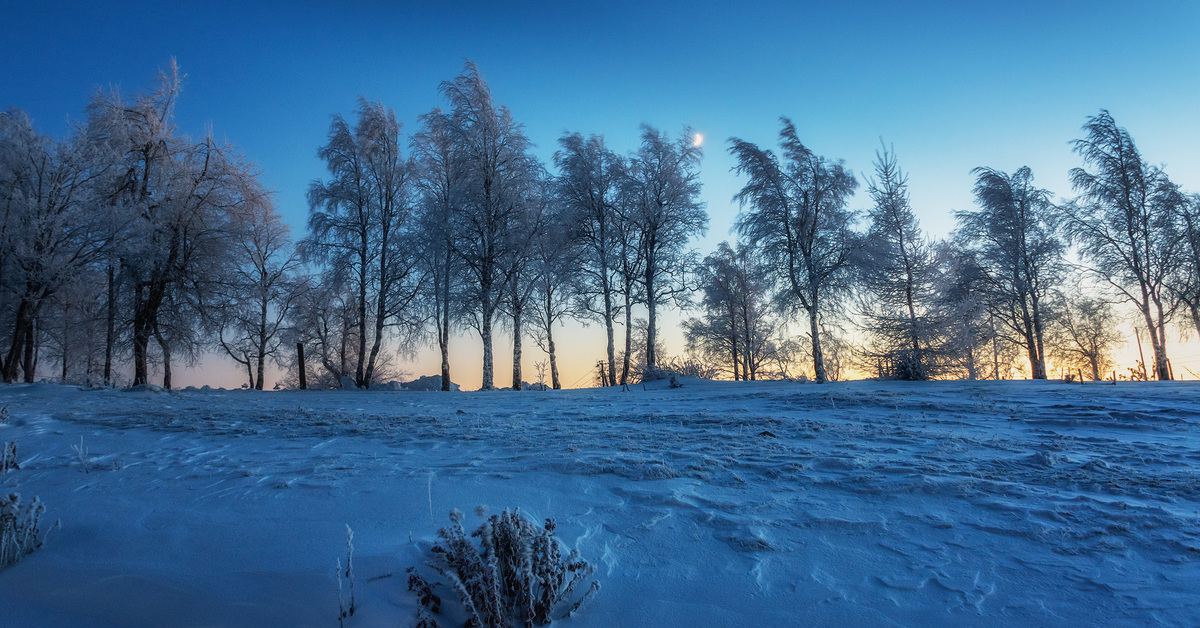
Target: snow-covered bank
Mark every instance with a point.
(715, 504)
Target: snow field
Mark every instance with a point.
(716, 504)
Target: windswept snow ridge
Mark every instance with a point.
(715, 504)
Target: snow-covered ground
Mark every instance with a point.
(715, 504)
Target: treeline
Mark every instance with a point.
(130, 243)
(1021, 279)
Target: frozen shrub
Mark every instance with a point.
(516, 576)
(20, 533)
(654, 373)
(8, 458)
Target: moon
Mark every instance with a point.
(698, 139)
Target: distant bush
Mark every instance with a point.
(517, 575)
(20, 533)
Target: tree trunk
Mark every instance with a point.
(250, 373)
(363, 315)
(612, 349)
(166, 356)
(141, 344)
(30, 365)
(66, 343)
(1037, 334)
(628, 336)
(516, 385)
(651, 318)
(555, 383)
(733, 336)
(17, 346)
(1162, 365)
(485, 333)
(300, 364)
(817, 356)
(262, 343)
(444, 328)
(110, 332)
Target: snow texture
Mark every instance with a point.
(715, 504)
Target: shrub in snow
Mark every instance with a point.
(516, 576)
(20, 533)
(428, 382)
(8, 458)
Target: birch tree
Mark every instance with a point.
(1125, 225)
(361, 220)
(440, 177)
(497, 178)
(795, 212)
(1017, 244)
(588, 184)
(663, 182)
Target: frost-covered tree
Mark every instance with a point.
(499, 177)
(1125, 225)
(896, 275)
(361, 220)
(795, 213)
(1015, 241)
(964, 338)
(589, 182)
(440, 177)
(1185, 282)
(324, 320)
(734, 330)
(1084, 335)
(51, 228)
(177, 199)
(262, 290)
(555, 268)
(663, 185)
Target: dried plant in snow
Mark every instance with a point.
(20, 533)
(81, 452)
(8, 458)
(517, 575)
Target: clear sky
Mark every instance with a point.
(951, 85)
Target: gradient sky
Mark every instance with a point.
(952, 86)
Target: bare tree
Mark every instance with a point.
(1017, 244)
(663, 183)
(1125, 224)
(261, 292)
(795, 213)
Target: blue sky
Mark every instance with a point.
(951, 85)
